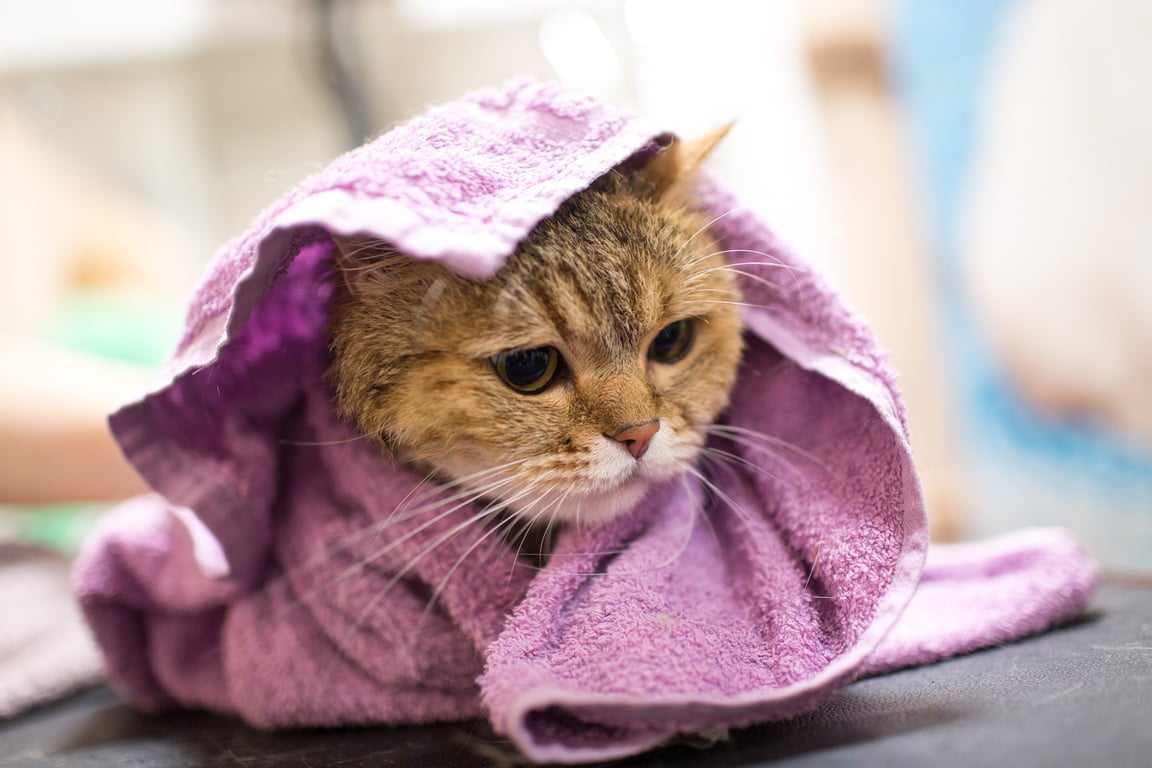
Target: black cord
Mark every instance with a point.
(340, 67)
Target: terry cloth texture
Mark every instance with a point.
(272, 576)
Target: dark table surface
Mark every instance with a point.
(1077, 696)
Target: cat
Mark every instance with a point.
(586, 370)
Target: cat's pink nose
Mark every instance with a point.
(637, 437)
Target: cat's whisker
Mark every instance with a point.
(345, 542)
(815, 563)
(701, 300)
(716, 490)
(707, 226)
(555, 504)
(736, 459)
(381, 552)
(736, 304)
(585, 553)
(361, 268)
(530, 523)
(754, 278)
(518, 537)
(672, 558)
(812, 568)
(490, 510)
(361, 256)
(463, 480)
(743, 273)
(367, 609)
(776, 263)
(546, 537)
(729, 264)
(339, 545)
(703, 274)
(468, 495)
(383, 525)
(410, 496)
(518, 541)
(677, 553)
(752, 437)
(696, 299)
(465, 497)
(467, 488)
(526, 524)
(733, 458)
(757, 279)
(420, 492)
(365, 562)
(320, 443)
(515, 529)
(701, 513)
(443, 583)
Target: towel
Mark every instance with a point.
(287, 572)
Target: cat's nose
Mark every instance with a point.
(637, 437)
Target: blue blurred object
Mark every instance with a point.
(1021, 467)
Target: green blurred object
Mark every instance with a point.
(116, 325)
(62, 527)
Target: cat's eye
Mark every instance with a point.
(528, 370)
(673, 342)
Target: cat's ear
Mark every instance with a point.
(671, 169)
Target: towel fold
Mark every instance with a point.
(287, 572)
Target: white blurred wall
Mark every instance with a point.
(197, 113)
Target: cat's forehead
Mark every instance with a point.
(601, 282)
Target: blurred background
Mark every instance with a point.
(974, 176)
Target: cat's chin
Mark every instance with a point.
(599, 507)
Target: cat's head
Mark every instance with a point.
(585, 371)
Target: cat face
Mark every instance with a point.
(586, 370)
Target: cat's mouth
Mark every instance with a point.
(605, 484)
(611, 487)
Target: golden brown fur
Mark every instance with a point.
(413, 345)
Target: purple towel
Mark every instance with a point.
(273, 576)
